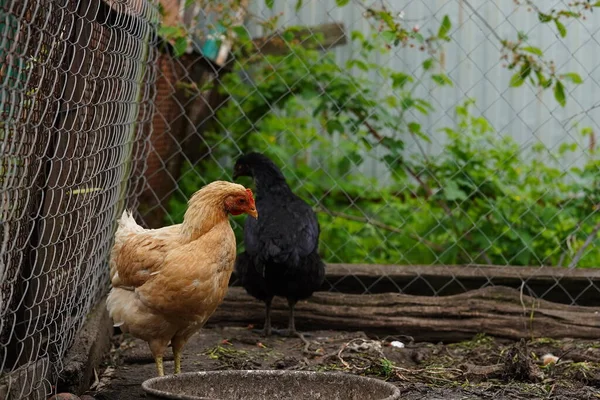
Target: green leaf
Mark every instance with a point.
(545, 17)
(393, 160)
(333, 125)
(596, 4)
(407, 102)
(400, 79)
(270, 3)
(452, 192)
(525, 70)
(543, 81)
(567, 13)
(241, 32)
(516, 80)
(562, 30)
(360, 64)
(573, 77)
(587, 131)
(534, 50)
(559, 93)
(427, 64)
(357, 35)
(356, 158)
(341, 3)
(445, 27)
(423, 106)
(385, 16)
(366, 143)
(389, 36)
(442, 79)
(180, 46)
(422, 110)
(396, 146)
(189, 3)
(298, 5)
(344, 166)
(419, 38)
(287, 36)
(414, 127)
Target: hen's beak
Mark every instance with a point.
(253, 213)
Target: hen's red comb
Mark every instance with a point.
(250, 197)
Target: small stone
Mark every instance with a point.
(549, 359)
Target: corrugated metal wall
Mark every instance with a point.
(472, 60)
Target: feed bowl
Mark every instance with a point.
(269, 385)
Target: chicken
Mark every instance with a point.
(281, 248)
(167, 282)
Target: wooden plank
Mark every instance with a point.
(464, 271)
(496, 311)
(30, 381)
(561, 285)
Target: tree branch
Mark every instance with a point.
(425, 186)
(372, 130)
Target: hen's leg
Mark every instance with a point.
(291, 330)
(266, 331)
(267, 327)
(178, 344)
(157, 347)
(291, 322)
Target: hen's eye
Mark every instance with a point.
(241, 201)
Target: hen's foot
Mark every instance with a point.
(263, 332)
(290, 333)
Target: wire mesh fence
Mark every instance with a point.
(440, 136)
(76, 84)
(425, 134)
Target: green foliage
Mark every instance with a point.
(575, 10)
(482, 199)
(507, 206)
(530, 65)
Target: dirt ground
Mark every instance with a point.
(483, 368)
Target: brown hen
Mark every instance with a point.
(167, 282)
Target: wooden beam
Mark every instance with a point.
(334, 34)
(561, 285)
(496, 311)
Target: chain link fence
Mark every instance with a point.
(76, 89)
(444, 136)
(446, 145)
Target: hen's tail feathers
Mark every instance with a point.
(121, 306)
(127, 224)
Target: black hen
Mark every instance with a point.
(281, 257)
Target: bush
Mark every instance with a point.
(482, 200)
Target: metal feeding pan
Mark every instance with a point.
(269, 385)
